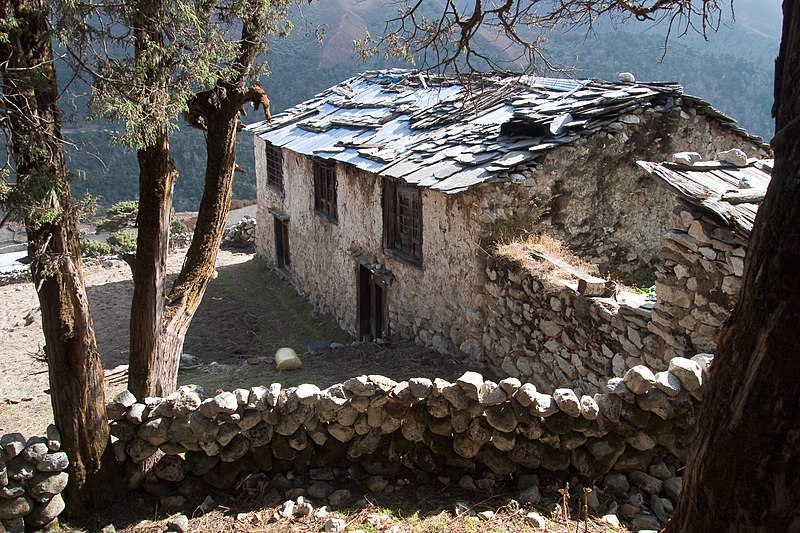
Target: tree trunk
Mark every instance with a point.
(149, 372)
(159, 323)
(42, 196)
(744, 469)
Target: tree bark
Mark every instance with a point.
(744, 469)
(42, 196)
(149, 372)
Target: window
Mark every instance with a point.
(325, 188)
(274, 167)
(282, 257)
(402, 224)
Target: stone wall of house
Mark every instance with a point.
(32, 477)
(640, 425)
(428, 303)
(540, 328)
(597, 200)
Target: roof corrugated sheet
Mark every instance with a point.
(449, 135)
(732, 193)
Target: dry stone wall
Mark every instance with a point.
(639, 428)
(540, 328)
(32, 478)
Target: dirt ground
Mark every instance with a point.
(246, 314)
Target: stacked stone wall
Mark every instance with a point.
(32, 478)
(640, 428)
(540, 328)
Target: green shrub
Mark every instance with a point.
(94, 248)
(119, 216)
(177, 225)
(122, 242)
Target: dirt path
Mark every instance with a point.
(247, 313)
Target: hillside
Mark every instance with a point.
(733, 70)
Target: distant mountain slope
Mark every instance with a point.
(733, 70)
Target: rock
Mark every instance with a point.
(15, 508)
(3, 474)
(360, 386)
(340, 498)
(376, 484)
(117, 407)
(178, 523)
(12, 445)
(137, 413)
(656, 505)
(659, 470)
(611, 520)
(639, 379)
(108, 529)
(626, 77)
(138, 450)
(672, 488)
(16, 525)
(307, 393)
(467, 483)
(318, 346)
(734, 156)
(35, 452)
(320, 490)
(53, 437)
(188, 361)
(531, 495)
(302, 507)
(225, 402)
(617, 387)
(490, 393)
(568, 402)
(616, 484)
(526, 394)
(647, 483)
(535, 520)
(12, 490)
(486, 515)
(589, 408)
(543, 405)
(43, 487)
(169, 468)
(335, 525)
(287, 509)
(645, 522)
(688, 372)
(53, 462)
(704, 360)
(668, 383)
(45, 513)
(687, 158)
(470, 383)
(420, 388)
(155, 431)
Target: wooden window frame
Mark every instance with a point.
(274, 163)
(325, 189)
(402, 221)
(283, 259)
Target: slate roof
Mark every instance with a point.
(448, 135)
(731, 193)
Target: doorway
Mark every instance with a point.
(373, 316)
(282, 257)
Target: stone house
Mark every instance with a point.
(381, 197)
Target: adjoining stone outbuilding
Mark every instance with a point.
(381, 197)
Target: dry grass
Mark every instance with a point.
(519, 252)
(403, 512)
